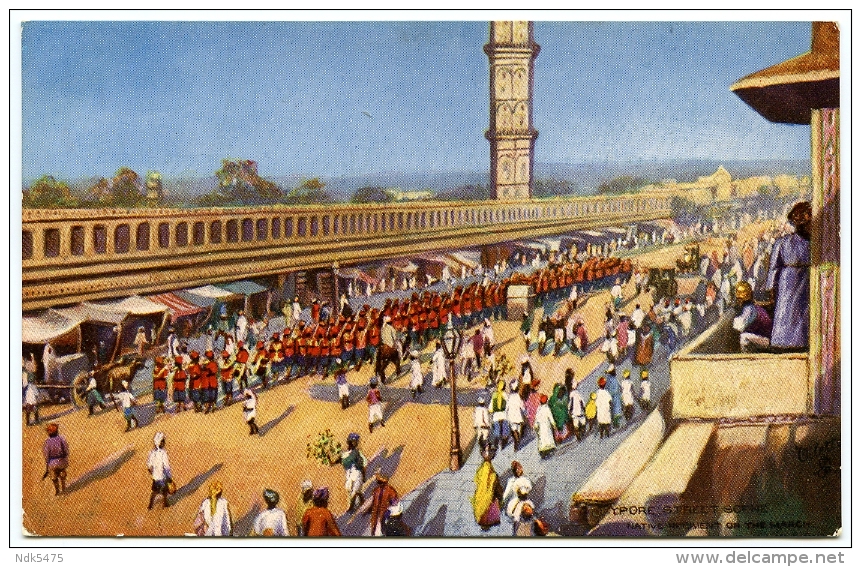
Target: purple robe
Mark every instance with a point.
(789, 277)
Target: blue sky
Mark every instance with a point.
(179, 96)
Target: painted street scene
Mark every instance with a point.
(430, 279)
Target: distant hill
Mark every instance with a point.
(582, 178)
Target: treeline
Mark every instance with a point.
(238, 183)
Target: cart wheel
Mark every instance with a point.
(79, 389)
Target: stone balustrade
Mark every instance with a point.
(79, 254)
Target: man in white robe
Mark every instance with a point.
(544, 427)
(602, 403)
(514, 411)
(481, 423)
(416, 375)
(438, 364)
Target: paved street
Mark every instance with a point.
(441, 506)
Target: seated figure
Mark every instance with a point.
(753, 321)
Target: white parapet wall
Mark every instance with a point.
(708, 384)
(610, 480)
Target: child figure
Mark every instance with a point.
(343, 385)
(591, 411)
(249, 410)
(375, 405)
(417, 377)
(627, 396)
(645, 391)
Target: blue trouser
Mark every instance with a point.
(348, 356)
(501, 430)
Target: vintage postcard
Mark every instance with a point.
(428, 278)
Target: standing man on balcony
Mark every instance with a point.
(789, 281)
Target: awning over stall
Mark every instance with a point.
(242, 287)
(91, 313)
(177, 306)
(212, 292)
(463, 257)
(404, 266)
(46, 327)
(194, 299)
(551, 244)
(617, 230)
(356, 274)
(135, 305)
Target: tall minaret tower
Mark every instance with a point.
(511, 51)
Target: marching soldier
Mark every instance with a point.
(288, 347)
(159, 383)
(260, 364)
(226, 368)
(179, 378)
(195, 375)
(210, 381)
(240, 370)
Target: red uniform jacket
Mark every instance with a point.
(195, 373)
(210, 375)
(242, 356)
(159, 378)
(374, 335)
(179, 378)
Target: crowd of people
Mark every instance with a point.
(245, 357)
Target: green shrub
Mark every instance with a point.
(324, 449)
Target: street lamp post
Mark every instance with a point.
(451, 341)
(335, 303)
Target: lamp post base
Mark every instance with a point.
(456, 458)
(456, 455)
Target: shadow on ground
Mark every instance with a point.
(195, 483)
(269, 425)
(102, 470)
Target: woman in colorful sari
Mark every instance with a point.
(559, 409)
(533, 400)
(486, 503)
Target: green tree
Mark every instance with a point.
(469, 192)
(47, 193)
(154, 187)
(622, 184)
(308, 192)
(372, 195)
(239, 182)
(766, 191)
(100, 190)
(553, 188)
(126, 188)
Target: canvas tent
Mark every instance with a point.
(48, 327)
(256, 296)
(177, 306)
(139, 312)
(100, 329)
(185, 316)
(218, 299)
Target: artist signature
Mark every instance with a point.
(825, 456)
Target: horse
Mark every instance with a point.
(385, 356)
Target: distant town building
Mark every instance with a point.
(720, 186)
(399, 195)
